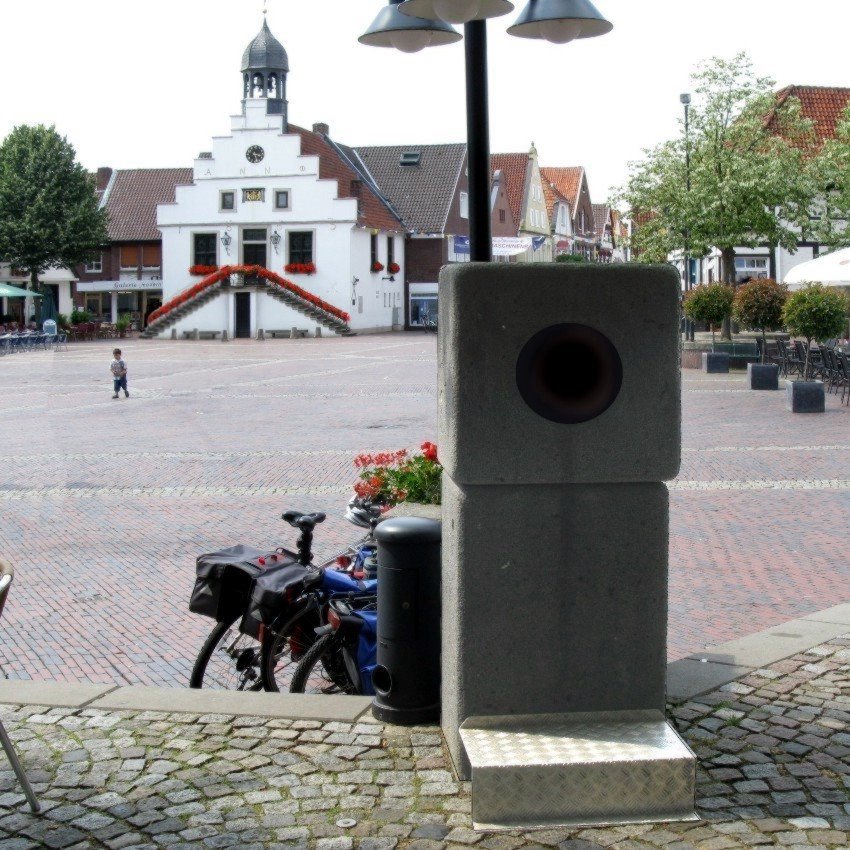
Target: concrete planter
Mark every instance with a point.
(763, 376)
(805, 396)
(714, 362)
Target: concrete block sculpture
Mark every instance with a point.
(560, 417)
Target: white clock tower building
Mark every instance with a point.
(289, 201)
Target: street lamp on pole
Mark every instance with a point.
(685, 100)
(558, 21)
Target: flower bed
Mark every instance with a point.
(388, 478)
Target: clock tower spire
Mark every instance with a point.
(264, 69)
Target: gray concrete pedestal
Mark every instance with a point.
(715, 363)
(805, 396)
(763, 376)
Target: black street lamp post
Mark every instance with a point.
(685, 100)
(558, 21)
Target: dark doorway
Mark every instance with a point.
(243, 315)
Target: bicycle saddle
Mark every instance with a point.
(303, 521)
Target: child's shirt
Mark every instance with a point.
(118, 367)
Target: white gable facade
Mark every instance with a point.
(258, 199)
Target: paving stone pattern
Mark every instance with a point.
(105, 503)
(773, 750)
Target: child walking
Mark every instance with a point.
(119, 373)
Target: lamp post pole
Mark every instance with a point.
(686, 102)
(478, 141)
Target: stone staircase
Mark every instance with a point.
(314, 312)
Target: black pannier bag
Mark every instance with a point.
(223, 580)
(271, 592)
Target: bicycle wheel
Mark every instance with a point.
(322, 670)
(228, 660)
(284, 648)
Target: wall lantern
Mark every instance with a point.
(276, 241)
(226, 240)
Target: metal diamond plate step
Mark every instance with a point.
(582, 769)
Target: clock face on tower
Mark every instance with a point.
(255, 154)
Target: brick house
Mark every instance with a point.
(427, 186)
(571, 182)
(127, 277)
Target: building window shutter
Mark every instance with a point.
(151, 256)
(129, 256)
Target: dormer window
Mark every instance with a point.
(409, 158)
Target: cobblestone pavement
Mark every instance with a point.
(104, 504)
(773, 750)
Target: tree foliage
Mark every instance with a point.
(834, 175)
(758, 306)
(748, 185)
(710, 303)
(815, 312)
(49, 214)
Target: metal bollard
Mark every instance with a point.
(407, 677)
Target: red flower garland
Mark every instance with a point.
(258, 271)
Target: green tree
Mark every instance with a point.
(752, 182)
(758, 306)
(709, 302)
(833, 165)
(49, 214)
(815, 312)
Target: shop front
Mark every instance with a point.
(106, 300)
(422, 305)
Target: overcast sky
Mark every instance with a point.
(145, 84)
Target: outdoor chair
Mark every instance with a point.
(7, 573)
(844, 375)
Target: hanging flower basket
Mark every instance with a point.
(394, 268)
(377, 267)
(300, 268)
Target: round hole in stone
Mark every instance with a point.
(569, 373)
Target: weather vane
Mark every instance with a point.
(265, 7)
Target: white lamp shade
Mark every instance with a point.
(560, 21)
(456, 11)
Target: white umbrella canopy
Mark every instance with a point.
(830, 270)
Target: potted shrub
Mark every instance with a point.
(814, 313)
(79, 317)
(122, 324)
(62, 322)
(758, 306)
(711, 303)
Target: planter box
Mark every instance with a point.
(715, 362)
(763, 376)
(805, 396)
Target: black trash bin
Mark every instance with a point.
(407, 677)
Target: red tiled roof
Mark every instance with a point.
(567, 181)
(513, 167)
(600, 217)
(824, 106)
(372, 210)
(132, 200)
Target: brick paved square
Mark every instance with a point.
(105, 503)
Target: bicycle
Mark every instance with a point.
(345, 653)
(248, 630)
